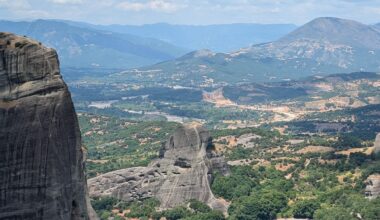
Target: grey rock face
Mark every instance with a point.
(372, 190)
(183, 172)
(41, 160)
(377, 144)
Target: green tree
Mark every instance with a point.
(305, 209)
(264, 205)
(104, 203)
(333, 213)
(212, 215)
(177, 213)
(198, 206)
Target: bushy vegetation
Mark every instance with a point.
(148, 209)
(113, 143)
(316, 177)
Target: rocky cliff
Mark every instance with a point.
(372, 190)
(377, 144)
(183, 172)
(41, 162)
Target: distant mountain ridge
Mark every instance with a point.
(322, 46)
(220, 37)
(86, 47)
(336, 30)
(376, 27)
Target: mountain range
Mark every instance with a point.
(195, 37)
(376, 26)
(322, 46)
(88, 47)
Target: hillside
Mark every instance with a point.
(87, 47)
(376, 27)
(336, 31)
(310, 49)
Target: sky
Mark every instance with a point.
(190, 11)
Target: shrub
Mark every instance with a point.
(305, 209)
(104, 203)
(198, 206)
(177, 213)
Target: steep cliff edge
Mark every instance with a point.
(41, 160)
(183, 171)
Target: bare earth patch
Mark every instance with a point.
(315, 149)
(365, 150)
(284, 167)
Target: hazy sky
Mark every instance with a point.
(190, 11)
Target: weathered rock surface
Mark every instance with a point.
(372, 189)
(377, 144)
(41, 161)
(183, 172)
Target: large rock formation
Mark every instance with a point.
(41, 162)
(376, 150)
(183, 172)
(372, 190)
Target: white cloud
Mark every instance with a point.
(14, 4)
(197, 11)
(67, 2)
(153, 5)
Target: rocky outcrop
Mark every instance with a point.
(372, 189)
(183, 171)
(41, 162)
(376, 150)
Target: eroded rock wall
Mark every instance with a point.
(41, 161)
(183, 172)
(377, 144)
(372, 190)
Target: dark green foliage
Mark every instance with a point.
(347, 204)
(372, 211)
(198, 206)
(357, 159)
(263, 92)
(333, 213)
(205, 111)
(145, 208)
(176, 213)
(264, 132)
(305, 209)
(265, 205)
(239, 153)
(239, 183)
(372, 168)
(365, 128)
(212, 215)
(104, 203)
(348, 141)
